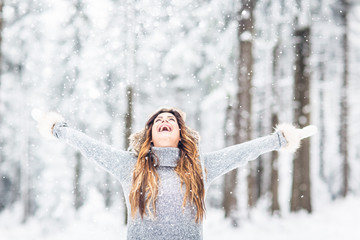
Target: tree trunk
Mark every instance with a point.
(244, 95)
(344, 100)
(78, 196)
(322, 118)
(128, 115)
(274, 187)
(25, 169)
(25, 179)
(301, 197)
(274, 184)
(69, 87)
(106, 188)
(1, 60)
(108, 192)
(230, 179)
(1, 28)
(260, 164)
(128, 126)
(110, 104)
(130, 60)
(230, 200)
(25, 176)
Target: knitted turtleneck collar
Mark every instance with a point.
(168, 156)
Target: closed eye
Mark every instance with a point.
(173, 119)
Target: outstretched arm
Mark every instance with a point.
(286, 137)
(222, 161)
(117, 162)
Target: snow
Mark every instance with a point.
(331, 221)
(337, 220)
(245, 14)
(186, 57)
(246, 36)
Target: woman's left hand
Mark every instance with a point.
(294, 135)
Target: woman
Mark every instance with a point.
(164, 177)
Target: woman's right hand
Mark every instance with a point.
(46, 121)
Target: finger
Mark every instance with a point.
(308, 131)
(37, 114)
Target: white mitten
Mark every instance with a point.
(294, 135)
(46, 121)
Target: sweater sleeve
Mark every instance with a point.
(117, 162)
(222, 161)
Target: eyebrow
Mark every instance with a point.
(167, 117)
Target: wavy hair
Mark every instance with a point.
(144, 190)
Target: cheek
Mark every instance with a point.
(153, 130)
(177, 129)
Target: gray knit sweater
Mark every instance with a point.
(171, 221)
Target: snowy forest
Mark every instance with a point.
(237, 68)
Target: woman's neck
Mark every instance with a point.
(167, 156)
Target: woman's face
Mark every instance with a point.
(165, 131)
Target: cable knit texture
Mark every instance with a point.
(171, 220)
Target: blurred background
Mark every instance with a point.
(237, 68)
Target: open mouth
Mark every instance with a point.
(165, 128)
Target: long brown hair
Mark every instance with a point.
(144, 188)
